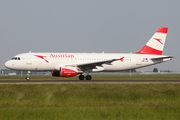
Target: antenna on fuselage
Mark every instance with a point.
(30, 51)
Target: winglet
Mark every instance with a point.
(121, 59)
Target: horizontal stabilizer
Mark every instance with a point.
(160, 58)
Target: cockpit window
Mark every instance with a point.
(16, 58)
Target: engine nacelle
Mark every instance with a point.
(65, 72)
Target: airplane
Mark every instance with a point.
(72, 64)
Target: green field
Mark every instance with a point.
(90, 101)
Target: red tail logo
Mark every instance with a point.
(159, 40)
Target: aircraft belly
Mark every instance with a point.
(118, 66)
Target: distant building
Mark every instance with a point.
(12, 73)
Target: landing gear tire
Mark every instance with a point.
(88, 77)
(27, 78)
(81, 77)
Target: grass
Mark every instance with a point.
(102, 77)
(160, 101)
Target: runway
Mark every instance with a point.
(85, 81)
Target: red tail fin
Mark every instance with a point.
(156, 44)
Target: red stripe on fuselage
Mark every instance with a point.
(148, 50)
(40, 56)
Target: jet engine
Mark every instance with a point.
(65, 72)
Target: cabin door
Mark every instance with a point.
(138, 60)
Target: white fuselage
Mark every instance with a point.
(53, 61)
(71, 64)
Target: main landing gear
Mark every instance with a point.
(88, 77)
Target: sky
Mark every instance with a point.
(112, 26)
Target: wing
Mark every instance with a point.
(93, 65)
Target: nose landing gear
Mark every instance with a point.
(28, 77)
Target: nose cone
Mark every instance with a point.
(7, 64)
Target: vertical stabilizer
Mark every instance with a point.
(156, 44)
